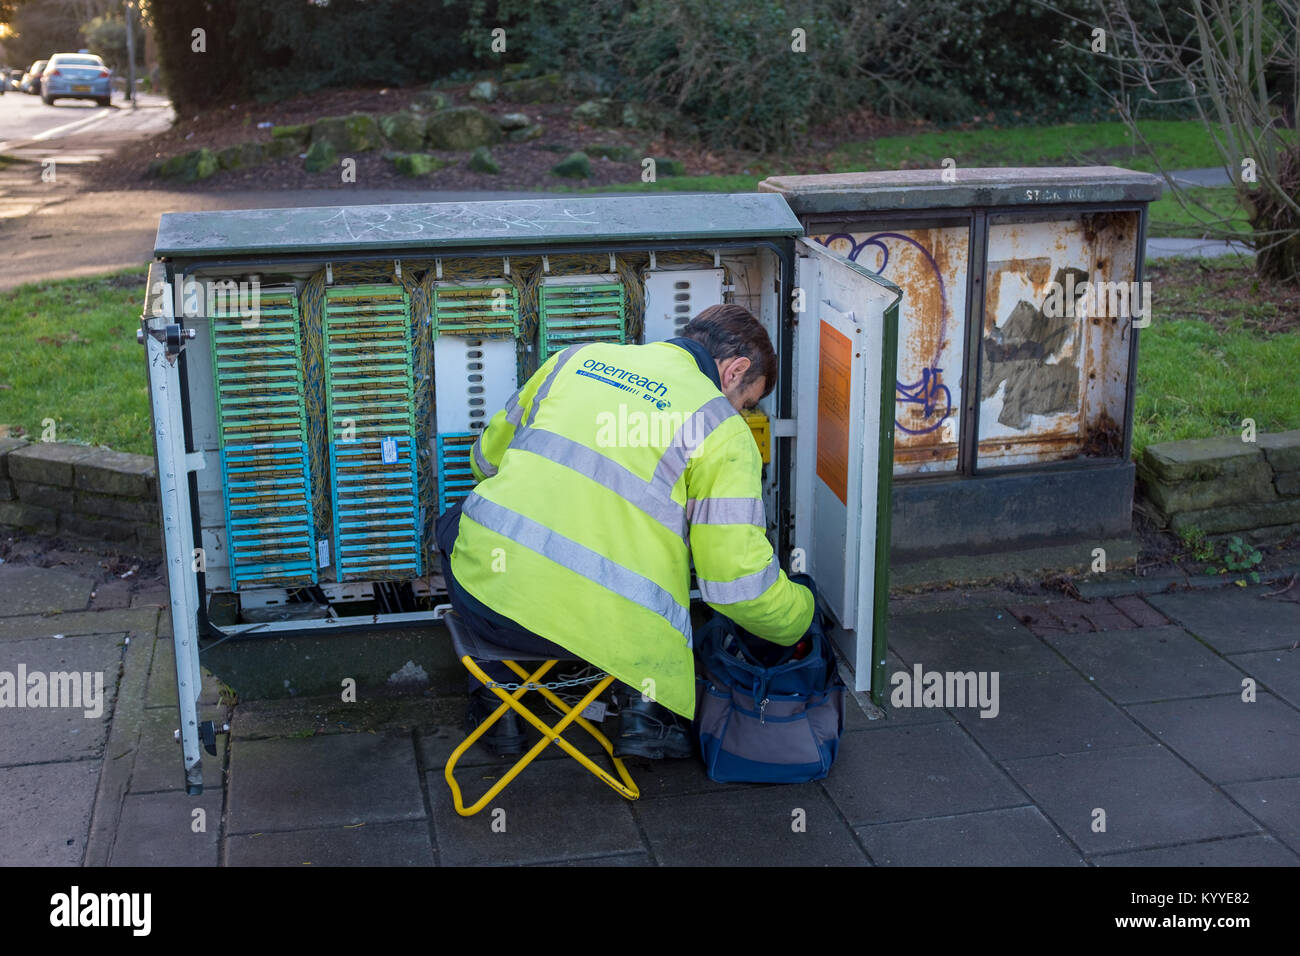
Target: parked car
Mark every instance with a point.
(31, 82)
(12, 79)
(81, 76)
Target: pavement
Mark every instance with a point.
(1136, 727)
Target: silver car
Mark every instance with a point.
(76, 75)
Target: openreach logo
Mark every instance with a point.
(77, 689)
(74, 909)
(923, 688)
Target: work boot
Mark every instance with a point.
(505, 738)
(648, 729)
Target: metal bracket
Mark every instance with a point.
(172, 336)
(194, 461)
(208, 731)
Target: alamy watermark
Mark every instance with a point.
(923, 688)
(1119, 300)
(211, 297)
(78, 689)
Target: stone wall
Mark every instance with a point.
(1227, 485)
(81, 492)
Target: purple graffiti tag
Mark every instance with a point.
(926, 391)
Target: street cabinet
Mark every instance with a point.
(1022, 296)
(318, 377)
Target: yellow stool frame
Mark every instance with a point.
(531, 682)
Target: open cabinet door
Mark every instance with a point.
(163, 339)
(846, 349)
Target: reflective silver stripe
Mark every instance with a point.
(748, 588)
(580, 559)
(545, 389)
(514, 411)
(689, 437)
(726, 511)
(627, 485)
(484, 465)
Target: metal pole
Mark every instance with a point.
(130, 52)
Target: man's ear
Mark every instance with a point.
(733, 370)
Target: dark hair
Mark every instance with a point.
(728, 331)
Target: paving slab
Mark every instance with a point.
(628, 859)
(792, 825)
(373, 844)
(138, 621)
(1149, 797)
(933, 770)
(1231, 619)
(162, 829)
(159, 760)
(1021, 836)
(327, 780)
(965, 639)
(1152, 663)
(1274, 803)
(1279, 671)
(161, 689)
(33, 734)
(895, 716)
(1134, 607)
(1226, 738)
(45, 813)
(26, 589)
(554, 810)
(1261, 850)
(1054, 712)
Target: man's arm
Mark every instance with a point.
(491, 444)
(736, 569)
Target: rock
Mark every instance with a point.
(321, 155)
(586, 83)
(619, 154)
(547, 88)
(284, 146)
(299, 133)
(415, 164)
(355, 133)
(484, 91)
(241, 155)
(481, 161)
(534, 131)
(510, 121)
(430, 101)
(405, 130)
(461, 127)
(189, 167)
(656, 119)
(514, 71)
(601, 112)
(574, 166)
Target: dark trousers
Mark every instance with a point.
(481, 619)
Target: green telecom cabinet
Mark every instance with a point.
(318, 377)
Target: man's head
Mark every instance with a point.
(740, 346)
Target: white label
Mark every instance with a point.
(323, 553)
(595, 711)
(388, 448)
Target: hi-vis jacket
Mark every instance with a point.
(594, 481)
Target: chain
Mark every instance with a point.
(553, 685)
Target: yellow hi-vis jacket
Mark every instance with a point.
(594, 481)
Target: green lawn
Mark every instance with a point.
(1207, 361)
(70, 355)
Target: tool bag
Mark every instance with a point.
(762, 715)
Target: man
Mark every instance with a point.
(599, 482)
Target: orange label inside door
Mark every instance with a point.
(834, 378)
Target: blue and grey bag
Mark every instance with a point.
(761, 715)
